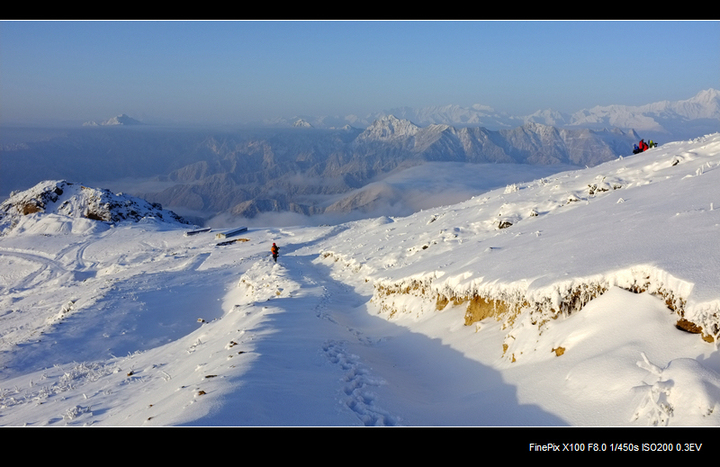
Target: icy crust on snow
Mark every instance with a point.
(645, 223)
(65, 207)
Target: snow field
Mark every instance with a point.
(136, 325)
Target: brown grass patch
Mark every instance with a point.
(689, 326)
(479, 308)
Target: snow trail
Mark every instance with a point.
(306, 377)
(335, 364)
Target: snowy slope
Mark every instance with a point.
(580, 277)
(647, 220)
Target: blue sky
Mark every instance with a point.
(237, 71)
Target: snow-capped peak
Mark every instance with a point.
(75, 201)
(389, 128)
(121, 119)
(301, 123)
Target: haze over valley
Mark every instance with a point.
(393, 166)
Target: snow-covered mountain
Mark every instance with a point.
(121, 119)
(666, 120)
(455, 115)
(66, 202)
(389, 128)
(585, 298)
(704, 105)
(663, 121)
(250, 172)
(306, 172)
(300, 123)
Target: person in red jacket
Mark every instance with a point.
(275, 250)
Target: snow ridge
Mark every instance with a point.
(514, 305)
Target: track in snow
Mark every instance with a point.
(326, 360)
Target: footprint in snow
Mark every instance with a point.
(357, 388)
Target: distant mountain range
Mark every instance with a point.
(318, 165)
(313, 172)
(665, 120)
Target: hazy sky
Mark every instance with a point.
(237, 71)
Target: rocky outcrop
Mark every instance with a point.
(77, 201)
